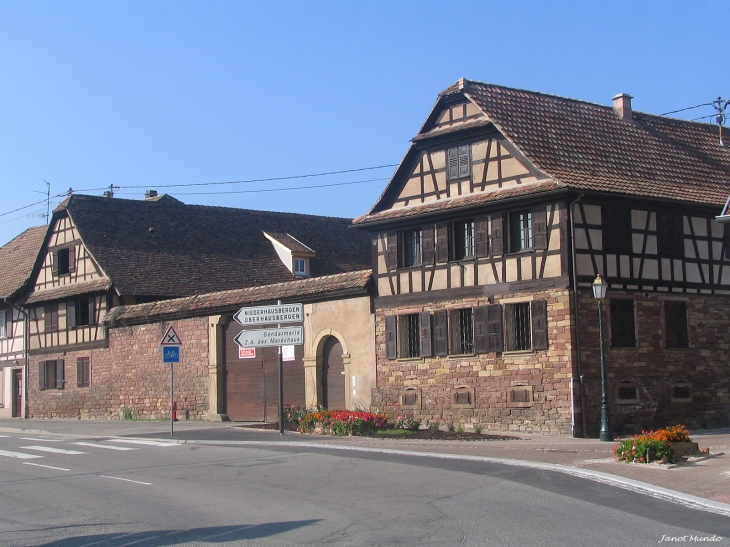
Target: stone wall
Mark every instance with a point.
(130, 376)
(705, 365)
(490, 377)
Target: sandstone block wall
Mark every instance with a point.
(129, 376)
(489, 376)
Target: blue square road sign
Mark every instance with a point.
(171, 354)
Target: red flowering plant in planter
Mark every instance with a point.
(651, 445)
(342, 422)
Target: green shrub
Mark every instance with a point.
(406, 421)
(478, 429)
(433, 425)
(127, 414)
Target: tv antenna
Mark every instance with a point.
(719, 105)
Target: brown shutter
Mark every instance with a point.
(71, 259)
(497, 239)
(481, 336)
(390, 327)
(453, 163)
(92, 311)
(455, 331)
(495, 336)
(539, 228)
(481, 237)
(59, 374)
(70, 314)
(726, 236)
(80, 372)
(464, 166)
(54, 262)
(429, 251)
(442, 242)
(440, 333)
(391, 257)
(425, 329)
(539, 325)
(41, 375)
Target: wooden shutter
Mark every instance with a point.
(670, 235)
(92, 311)
(71, 259)
(390, 328)
(497, 238)
(495, 332)
(481, 336)
(539, 228)
(726, 236)
(464, 164)
(425, 330)
(442, 242)
(453, 164)
(539, 325)
(80, 372)
(391, 257)
(71, 314)
(429, 244)
(54, 262)
(59, 374)
(481, 237)
(440, 333)
(41, 375)
(455, 331)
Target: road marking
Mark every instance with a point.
(140, 441)
(4, 435)
(19, 455)
(105, 446)
(126, 480)
(46, 466)
(51, 449)
(42, 440)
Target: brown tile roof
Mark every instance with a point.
(291, 243)
(17, 259)
(586, 146)
(164, 248)
(316, 288)
(74, 289)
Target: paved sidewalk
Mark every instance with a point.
(708, 479)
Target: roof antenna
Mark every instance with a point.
(720, 106)
(47, 216)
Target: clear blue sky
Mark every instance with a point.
(151, 94)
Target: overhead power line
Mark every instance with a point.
(688, 108)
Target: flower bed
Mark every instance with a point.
(651, 446)
(342, 422)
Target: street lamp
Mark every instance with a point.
(599, 292)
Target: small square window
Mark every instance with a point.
(459, 166)
(681, 392)
(50, 374)
(410, 398)
(300, 266)
(519, 397)
(627, 393)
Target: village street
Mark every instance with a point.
(92, 484)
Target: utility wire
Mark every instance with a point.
(688, 108)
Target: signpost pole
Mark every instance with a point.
(171, 402)
(281, 386)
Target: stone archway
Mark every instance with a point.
(334, 381)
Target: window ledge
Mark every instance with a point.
(522, 252)
(624, 349)
(678, 350)
(459, 356)
(409, 359)
(518, 353)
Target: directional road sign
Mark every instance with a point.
(260, 315)
(171, 354)
(260, 338)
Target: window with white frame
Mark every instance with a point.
(3, 323)
(520, 231)
(463, 242)
(300, 266)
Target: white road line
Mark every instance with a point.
(42, 440)
(4, 435)
(51, 449)
(105, 446)
(126, 480)
(46, 466)
(140, 441)
(18, 455)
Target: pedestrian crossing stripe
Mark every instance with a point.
(141, 441)
(18, 455)
(52, 449)
(109, 447)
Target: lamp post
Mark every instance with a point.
(599, 292)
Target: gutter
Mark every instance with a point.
(26, 336)
(576, 315)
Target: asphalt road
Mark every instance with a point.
(94, 490)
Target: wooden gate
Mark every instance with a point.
(252, 384)
(333, 375)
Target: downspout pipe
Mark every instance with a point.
(578, 367)
(26, 335)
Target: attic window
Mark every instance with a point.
(300, 266)
(458, 164)
(64, 261)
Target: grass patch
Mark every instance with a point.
(395, 432)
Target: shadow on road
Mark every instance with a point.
(161, 538)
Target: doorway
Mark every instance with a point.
(17, 393)
(333, 375)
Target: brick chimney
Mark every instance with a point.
(622, 107)
(150, 194)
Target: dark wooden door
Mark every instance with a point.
(17, 393)
(333, 375)
(252, 384)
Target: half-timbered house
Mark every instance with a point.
(16, 266)
(504, 210)
(105, 252)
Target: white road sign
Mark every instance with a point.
(260, 338)
(261, 315)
